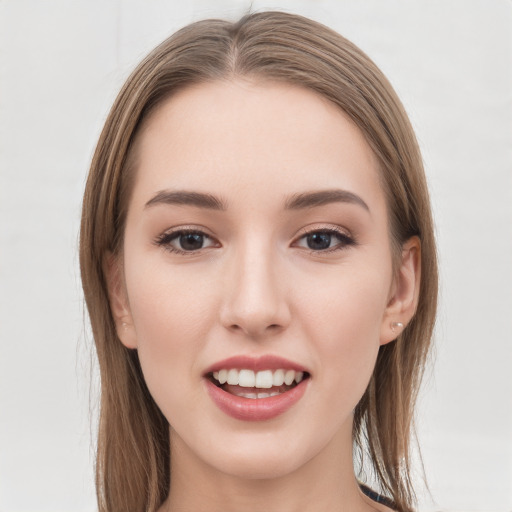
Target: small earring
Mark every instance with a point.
(396, 325)
(124, 325)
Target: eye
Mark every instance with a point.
(325, 240)
(185, 241)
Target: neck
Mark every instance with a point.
(326, 482)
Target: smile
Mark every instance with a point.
(256, 393)
(263, 379)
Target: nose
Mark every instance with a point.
(255, 303)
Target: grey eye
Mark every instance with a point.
(319, 241)
(191, 241)
(323, 240)
(185, 241)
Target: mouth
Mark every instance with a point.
(256, 389)
(256, 385)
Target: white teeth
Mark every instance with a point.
(264, 379)
(247, 394)
(223, 376)
(289, 377)
(278, 378)
(233, 377)
(246, 379)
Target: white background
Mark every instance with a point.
(61, 64)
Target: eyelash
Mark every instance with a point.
(344, 239)
(164, 240)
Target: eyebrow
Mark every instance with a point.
(184, 197)
(295, 202)
(323, 197)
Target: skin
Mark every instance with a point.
(256, 288)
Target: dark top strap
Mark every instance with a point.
(377, 497)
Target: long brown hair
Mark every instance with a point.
(132, 472)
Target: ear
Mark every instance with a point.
(404, 295)
(118, 298)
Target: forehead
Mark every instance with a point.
(232, 137)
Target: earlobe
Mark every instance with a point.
(118, 299)
(405, 292)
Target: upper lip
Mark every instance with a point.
(265, 362)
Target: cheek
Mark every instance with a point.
(172, 318)
(344, 317)
(348, 305)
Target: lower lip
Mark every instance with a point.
(255, 409)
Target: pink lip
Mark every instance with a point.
(258, 409)
(267, 362)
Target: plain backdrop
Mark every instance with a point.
(61, 65)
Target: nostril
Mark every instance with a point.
(250, 331)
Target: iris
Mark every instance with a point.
(319, 241)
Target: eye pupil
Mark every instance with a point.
(319, 241)
(191, 241)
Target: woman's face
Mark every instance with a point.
(257, 240)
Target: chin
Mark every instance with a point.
(263, 466)
(262, 456)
